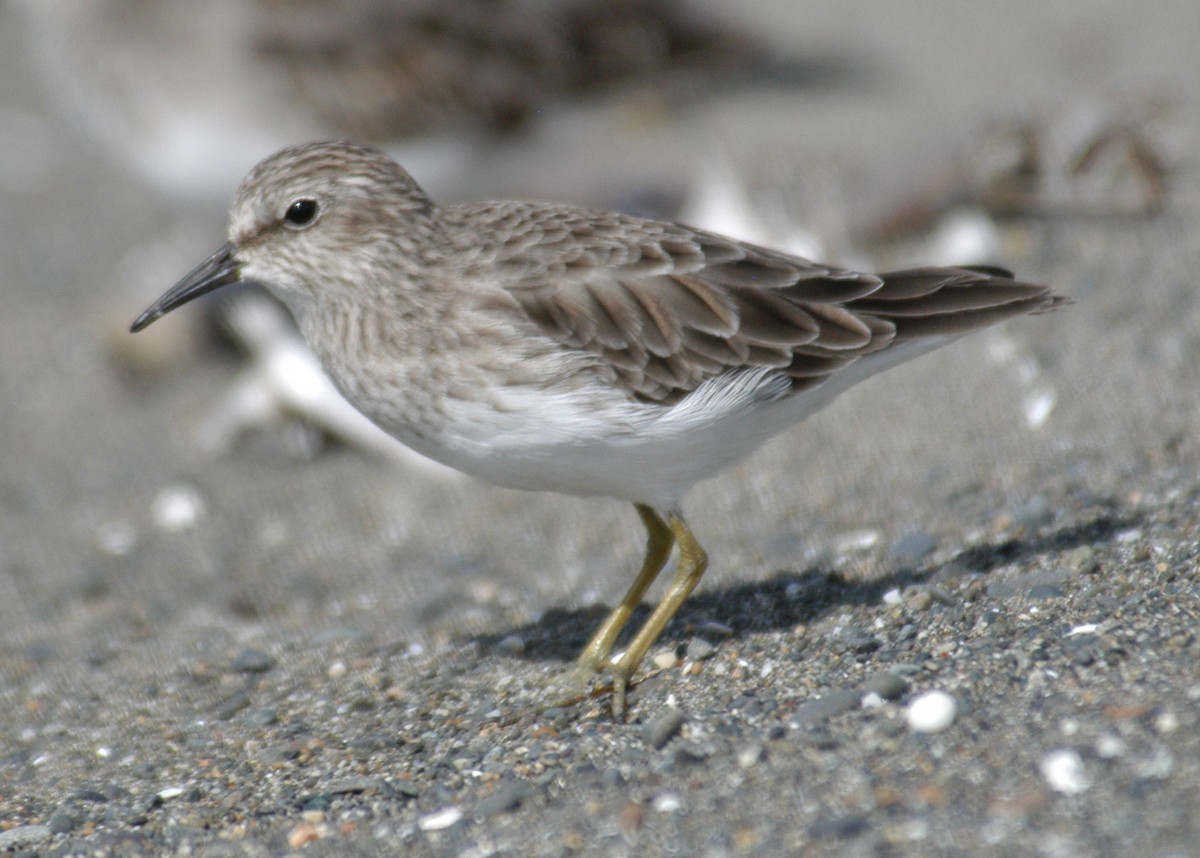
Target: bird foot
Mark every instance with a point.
(573, 684)
(565, 687)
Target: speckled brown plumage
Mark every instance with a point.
(562, 349)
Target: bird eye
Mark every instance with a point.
(300, 213)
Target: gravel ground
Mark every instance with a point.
(929, 628)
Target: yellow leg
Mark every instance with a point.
(692, 563)
(573, 683)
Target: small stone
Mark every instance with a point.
(699, 649)
(62, 821)
(886, 684)
(920, 600)
(841, 827)
(1040, 592)
(871, 700)
(831, 703)
(856, 540)
(631, 817)
(1110, 747)
(857, 640)
(1033, 513)
(337, 670)
(177, 508)
(314, 817)
(665, 660)
(168, 793)
(1083, 560)
(260, 716)
(358, 784)
(1158, 767)
(316, 802)
(913, 546)
(24, 835)
(252, 661)
(749, 756)
(932, 712)
(1166, 722)
(1064, 772)
(714, 631)
(507, 797)
(440, 820)
(302, 835)
(232, 705)
(668, 802)
(116, 538)
(664, 728)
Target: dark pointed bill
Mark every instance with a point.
(218, 270)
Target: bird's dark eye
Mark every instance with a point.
(300, 213)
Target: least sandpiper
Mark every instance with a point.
(555, 348)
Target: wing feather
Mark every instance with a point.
(668, 307)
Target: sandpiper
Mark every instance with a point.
(555, 348)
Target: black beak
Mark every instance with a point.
(218, 270)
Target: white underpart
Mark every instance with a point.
(573, 444)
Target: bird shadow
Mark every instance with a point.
(788, 598)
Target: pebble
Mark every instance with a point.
(62, 821)
(261, 716)
(665, 660)
(1064, 772)
(177, 508)
(841, 827)
(1083, 560)
(713, 630)
(440, 820)
(508, 796)
(831, 703)
(699, 649)
(1033, 513)
(1158, 767)
(749, 756)
(116, 538)
(232, 705)
(857, 640)
(1110, 747)
(252, 661)
(931, 712)
(303, 834)
(886, 684)
(913, 546)
(664, 728)
(1166, 722)
(358, 784)
(856, 540)
(1046, 591)
(668, 802)
(24, 835)
(920, 600)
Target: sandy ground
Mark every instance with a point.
(278, 650)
